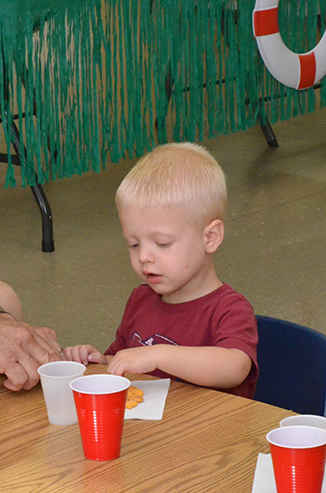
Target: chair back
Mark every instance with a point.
(292, 365)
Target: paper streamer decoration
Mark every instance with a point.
(87, 81)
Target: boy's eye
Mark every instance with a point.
(134, 246)
(163, 245)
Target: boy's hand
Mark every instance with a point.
(133, 360)
(85, 354)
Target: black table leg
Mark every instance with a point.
(40, 197)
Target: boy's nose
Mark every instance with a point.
(145, 255)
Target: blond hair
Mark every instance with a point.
(177, 175)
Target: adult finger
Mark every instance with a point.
(39, 349)
(46, 338)
(21, 374)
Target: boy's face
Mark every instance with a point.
(167, 252)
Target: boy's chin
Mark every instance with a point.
(159, 289)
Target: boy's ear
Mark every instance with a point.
(214, 234)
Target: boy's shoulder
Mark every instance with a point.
(229, 297)
(226, 291)
(222, 294)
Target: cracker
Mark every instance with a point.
(134, 397)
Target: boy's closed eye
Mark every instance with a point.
(163, 245)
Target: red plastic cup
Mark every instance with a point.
(100, 403)
(298, 456)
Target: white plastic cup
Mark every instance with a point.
(59, 399)
(304, 420)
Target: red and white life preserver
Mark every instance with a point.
(291, 69)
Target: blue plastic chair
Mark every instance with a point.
(292, 365)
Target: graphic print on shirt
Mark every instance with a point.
(151, 341)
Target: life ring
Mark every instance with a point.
(296, 70)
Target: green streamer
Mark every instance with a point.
(95, 80)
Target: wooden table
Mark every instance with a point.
(207, 441)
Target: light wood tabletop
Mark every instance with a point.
(207, 441)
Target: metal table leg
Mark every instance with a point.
(269, 134)
(39, 195)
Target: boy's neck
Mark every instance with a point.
(211, 285)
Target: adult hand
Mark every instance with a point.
(23, 349)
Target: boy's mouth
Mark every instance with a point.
(153, 278)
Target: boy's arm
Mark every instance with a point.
(214, 367)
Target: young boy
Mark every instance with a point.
(183, 322)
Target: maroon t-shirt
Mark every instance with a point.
(222, 318)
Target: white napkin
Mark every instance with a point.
(264, 481)
(155, 393)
